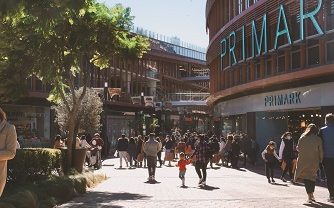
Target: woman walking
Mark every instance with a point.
(201, 152)
(310, 155)
(286, 154)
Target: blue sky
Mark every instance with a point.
(182, 18)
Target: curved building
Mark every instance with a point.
(271, 65)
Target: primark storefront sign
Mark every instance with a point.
(282, 99)
(259, 42)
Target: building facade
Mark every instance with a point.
(271, 65)
(168, 86)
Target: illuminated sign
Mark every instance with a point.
(260, 41)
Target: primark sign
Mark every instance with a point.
(259, 42)
(282, 99)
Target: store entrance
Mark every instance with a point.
(300, 119)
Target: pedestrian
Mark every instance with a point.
(160, 151)
(122, 148)
(202, 159)
(254, 147)
(286, 154)
(140, 151)
(182, 163)
(270, 156)
(8, 140)
(327, 135)
(168, 153)
(310, 155)
(151, 149)
(58, 142)
(132, 148)
(235, 151)
(228, 150)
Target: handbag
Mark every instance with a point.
(169, 156)
(140, 157)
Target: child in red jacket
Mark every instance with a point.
(182, 163)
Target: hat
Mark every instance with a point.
(96, 134)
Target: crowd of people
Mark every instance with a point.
(301, 160)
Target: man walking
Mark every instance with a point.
(327, 135)
(151, 149)
(122, 148)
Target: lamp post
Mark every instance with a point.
(106, 91)
(105, 149)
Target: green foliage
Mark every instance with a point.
(49, 39)
(89, 113)
(34, 163)
(49, 192)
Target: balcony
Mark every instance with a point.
(188, 98)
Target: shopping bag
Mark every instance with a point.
(140, 157)
(169, 156)
(215, 158)
(283, 165)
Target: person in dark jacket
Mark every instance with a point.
(327, 135)
(286, 154)
(235, 151)
(132, 148)
(122, 148)
(269, 156)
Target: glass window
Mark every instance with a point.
(281, 63)
(313, 55)
(295, 59)
(330, 54)
(257, 66)
(330, 15)
(268, 67)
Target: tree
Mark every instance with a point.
(60, 42)
(89, 113)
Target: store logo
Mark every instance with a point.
(282, 99)
(259, 42)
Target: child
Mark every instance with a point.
(269, 156)
(182, 167)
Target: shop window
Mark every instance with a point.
(330, 53)
(248, 68)
(268, 67)
(281, 63)
(295, 58)
(313, 55)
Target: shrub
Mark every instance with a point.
(34, 163)
(49, 192)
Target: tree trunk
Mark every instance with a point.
(70, 139)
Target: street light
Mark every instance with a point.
(105, 90)
(142, 98)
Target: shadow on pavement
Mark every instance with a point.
(279, 184)
(208, 188)
(103, 199)
(318, 205)
(152, 182)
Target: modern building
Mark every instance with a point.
(271, 65)
(168, 85)
(32, 115)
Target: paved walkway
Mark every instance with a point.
(225, 188)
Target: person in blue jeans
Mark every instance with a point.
(327, 135)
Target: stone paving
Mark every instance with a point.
(226, 187)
